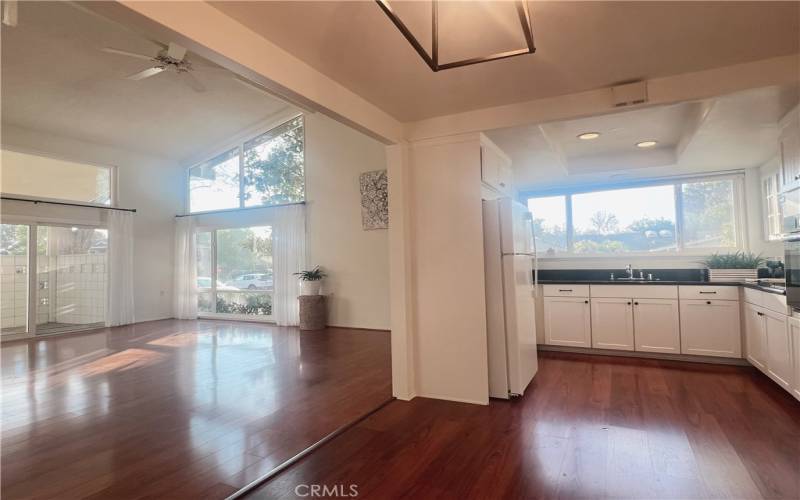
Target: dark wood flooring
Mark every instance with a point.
(177, 409)
(589, 427)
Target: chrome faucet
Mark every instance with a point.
(629, 270)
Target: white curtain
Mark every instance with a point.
(120, 268)
(184, 303)
(289, 256)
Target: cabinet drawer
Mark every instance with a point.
(752, 296)
(773, 302)
(709, 292)
(635, 291)
(567, 290)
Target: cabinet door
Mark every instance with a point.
(794, 338)
(612, 324)
(756, 336)
(790, 156)
(655, 325)
(490, 167)
(567, 321)
(779, 354)
(711, 328)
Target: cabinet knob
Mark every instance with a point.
(636, 303)
(629, 303)
(585, 301)
(708, 302)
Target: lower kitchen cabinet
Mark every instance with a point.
(612, 324)
(656, 325)
(567, 321)
(779, 350)
(711, 328)
(794, 339)
(756, 336)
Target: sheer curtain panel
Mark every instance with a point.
(185, 299)
(120, 268)
(289, 254)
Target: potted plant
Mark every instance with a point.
(310, 281)
(736, 266)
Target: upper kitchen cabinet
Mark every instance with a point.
(789, 144)
(496, 168)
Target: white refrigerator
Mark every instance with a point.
(510, 262)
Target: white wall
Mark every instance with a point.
(152, 185)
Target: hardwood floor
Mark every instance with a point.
(589, 427)
(177, 409)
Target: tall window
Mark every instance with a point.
(234, 271)
(685, 216)
(42, 177)
(772, 209)
(265, 170)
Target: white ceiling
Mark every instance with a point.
(55, 79)
(580, 46)
(730, 132)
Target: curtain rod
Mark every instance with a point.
(228, 210)
(36, 202)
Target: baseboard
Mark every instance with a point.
(646, 355)
(359, 328)
(455, 400)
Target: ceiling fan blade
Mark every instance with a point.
(176, 52)
(146, 73)
(192, 81)
(112, 50)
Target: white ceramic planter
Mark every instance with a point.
(310, 287)
(728, 275)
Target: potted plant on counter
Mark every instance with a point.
(311, 281)
(738, 266)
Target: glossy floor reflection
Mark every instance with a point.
(589, 427)
(178, 409)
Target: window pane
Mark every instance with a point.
(273, 166)
(624, 220)
(204, 264)
(244, 270)
(214, 185)
(71, 278)
(14, 278)
(41, 177)
(708, 214)
(549, 223)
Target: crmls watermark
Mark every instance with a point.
(325, 490)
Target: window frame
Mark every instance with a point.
(238, 144)
(740, 220)
(112, 178)
(767, 214)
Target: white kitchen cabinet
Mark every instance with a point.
(656, 325)
(789, 144)
(496, 169)
(756, 336)
(567, 321)
(794, 339)
(612, 323)
(779, 351)
(711, 328)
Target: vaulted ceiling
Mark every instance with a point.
(580, 46)
(57, 80)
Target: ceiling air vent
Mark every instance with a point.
(629, 94)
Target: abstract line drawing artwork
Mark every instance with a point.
(374, 200)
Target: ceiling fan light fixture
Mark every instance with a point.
(432, 59)
(588, 136)
(646, 144)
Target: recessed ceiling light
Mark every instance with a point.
(646, 144)
(588, 136)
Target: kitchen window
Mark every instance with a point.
(772, 210)
(262, 171)
(693, 216)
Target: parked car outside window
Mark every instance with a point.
(205, 282)
(253, 281)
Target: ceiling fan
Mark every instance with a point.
(170, 58)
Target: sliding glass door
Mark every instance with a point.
(14, 278)
(234, 272)
(70, 285)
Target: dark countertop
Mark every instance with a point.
(754, 286)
